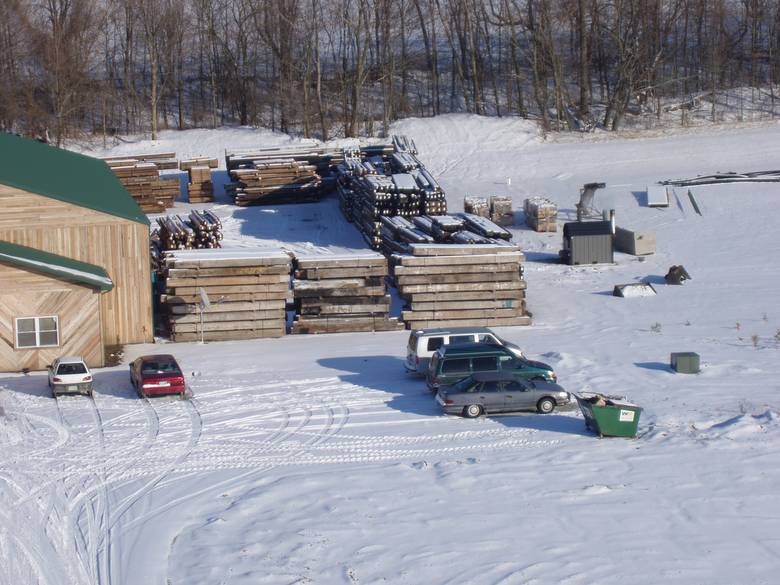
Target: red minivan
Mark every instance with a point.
(157, 375)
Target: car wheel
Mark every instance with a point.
(545, 405)
(472, 411)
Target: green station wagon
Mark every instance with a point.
(452, 363)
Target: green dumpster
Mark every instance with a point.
(609, 417)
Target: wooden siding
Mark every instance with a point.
(26, 294)
(118, 245)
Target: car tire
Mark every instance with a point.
(472, 411)
(545, 406)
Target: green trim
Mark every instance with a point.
(66, 176)
(59, 267)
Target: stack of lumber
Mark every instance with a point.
(476, 206)
(200, 188)
(398, 233)
(163, 160)
(469, 285)
(541, 214)
(247, 292)
(200, 230)
(141, 177)
(341, 293)
(275, 181)
(501, 210)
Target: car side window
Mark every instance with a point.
(456, 339)
(484, 364)
(514, 387)
(486, 338)
(435, 343)
(457, 366)
(506, 362)
(490, 387)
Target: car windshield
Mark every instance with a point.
(463, 385)
(159, 368)
(71, 369)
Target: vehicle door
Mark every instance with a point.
(518, 396)
(491, 397)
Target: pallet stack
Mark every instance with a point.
(470, 285)
(199, 187)
(341, 293)
(501, 211)
(247, 291)
(476, 206)
(541, 214)
(140, 175)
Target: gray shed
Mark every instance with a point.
(588, 242)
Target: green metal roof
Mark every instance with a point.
(64, 175)
(59, 267)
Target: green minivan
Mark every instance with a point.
(451, 363)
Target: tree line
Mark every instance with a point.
(346, 67)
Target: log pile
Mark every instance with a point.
(153, 192)
(200, 189)
(247, 291)
(201, 230)
(396, 184)
(541, 214)
(341, 293)
(398, 233)
(461, 285)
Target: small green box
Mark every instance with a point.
(685, 362)
(613, 419)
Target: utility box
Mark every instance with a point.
(634, 243)
(686, 362)
(588, 242)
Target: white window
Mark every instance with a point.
(37, 332)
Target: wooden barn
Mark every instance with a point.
(49, 306)
(73, 207)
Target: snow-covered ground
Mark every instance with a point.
(316, 459)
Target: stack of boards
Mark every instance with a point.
(395, 184)
(497, 209)
(398, 233)
(199, 187)
(140, 175)
(453, 286)
(200, 230)
(541, 214)
(335, 294)
(247, 292)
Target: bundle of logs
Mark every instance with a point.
(201, 229)
(395, 184)
(140, 175)
(541, 214)
(218, 295)
(398, 233)
(452, 285)
(200, 189)
(341, 293)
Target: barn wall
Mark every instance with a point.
(26, 294)
(119, 246)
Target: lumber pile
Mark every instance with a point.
(200, 189)
(395, 184)
(247, 292)
(541, 214)
(275, 181)
(140, 175)
(461, 285)
(341, 293)
(398, 233)
(200, 230)
(476, 206)
(501, 211)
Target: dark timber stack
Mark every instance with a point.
(335, 294)
(248, 291)
(153, 193)
(469, 285)
(200, 189)
(275, 181)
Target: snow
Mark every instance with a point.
(316, 459)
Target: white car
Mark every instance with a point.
(70, 375)
(423, 343)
